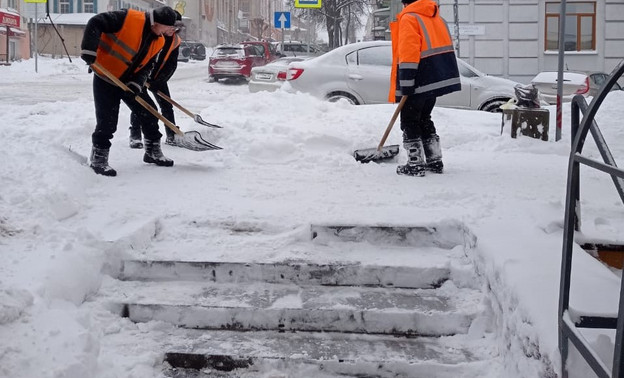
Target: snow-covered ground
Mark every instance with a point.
(286, 164)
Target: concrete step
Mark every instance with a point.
(445, 235)
(304, 354)
(262, 306)
(432, 272)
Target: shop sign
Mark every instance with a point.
(8, 19)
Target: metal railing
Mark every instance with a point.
(569, 329)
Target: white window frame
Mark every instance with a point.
(90, 4)
(64, 4)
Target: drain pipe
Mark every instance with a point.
(562, 13)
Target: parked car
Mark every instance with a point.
(573, 83)
(270, 77)
(196, 50)
(296, 48)
(265, 49)
(360, 73)
(233, 62)
(597, 79)
(184, 53)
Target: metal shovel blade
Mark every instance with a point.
(197, 118)
(367, 155)
(192, 140)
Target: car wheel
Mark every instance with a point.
(337, 96)
(200, 52)
(494, 105)
(211, 79)
(185, 53)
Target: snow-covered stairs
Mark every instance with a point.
(347, 319)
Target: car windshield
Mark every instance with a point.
(465, 70)
(260, 49)
(236, 52)
(254, 50)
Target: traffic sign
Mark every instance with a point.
(307, 3)
(282, 20)
(35, 1)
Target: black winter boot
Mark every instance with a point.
(136, 141)
(433, 154)
(154, 155)
(170, 137)
(415, 159)
(99, 162)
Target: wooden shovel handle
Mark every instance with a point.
(174, 103)
(98, 68)
(397, 111)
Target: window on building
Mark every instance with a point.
(88, 6)
(64, 6)
(12, 4)
(580, 26)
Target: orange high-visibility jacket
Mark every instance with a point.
(117, 50)
(164, 56)
(423, 59)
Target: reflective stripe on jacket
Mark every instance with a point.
(423, 58)
(117, 50)
(164, 56)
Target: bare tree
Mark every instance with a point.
(333, 14)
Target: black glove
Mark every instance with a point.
(88, 58)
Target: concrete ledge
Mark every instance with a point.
(307, 354)
(433, 272)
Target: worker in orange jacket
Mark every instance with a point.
(125, 43)
(164, 68)
(423, 67)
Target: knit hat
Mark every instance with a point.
(408, 1)
(165, 16)
(178, 24)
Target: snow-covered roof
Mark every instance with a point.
(9, 11)
(67, 18)
(14, 30)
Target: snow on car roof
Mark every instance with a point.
(551, 77)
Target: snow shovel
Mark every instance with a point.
(381, 153)
(191, 140)
(196, 117)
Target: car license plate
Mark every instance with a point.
(264, 76)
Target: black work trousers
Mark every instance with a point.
(107, 98)
(416, 117)
(166, 109)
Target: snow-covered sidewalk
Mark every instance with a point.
(286, 164)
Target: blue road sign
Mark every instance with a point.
(307, 3)
(282, 20)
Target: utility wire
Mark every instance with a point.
(56, 30)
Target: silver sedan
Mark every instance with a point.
(270, 77)
(360, 74)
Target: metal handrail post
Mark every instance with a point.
(580, 128)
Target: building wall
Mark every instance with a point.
(50, 44)
(212, 22)
(506, 38)
(18, 46)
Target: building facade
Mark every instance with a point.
(519, 38)
(14, 37)
(216, 22)
(211, 22)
